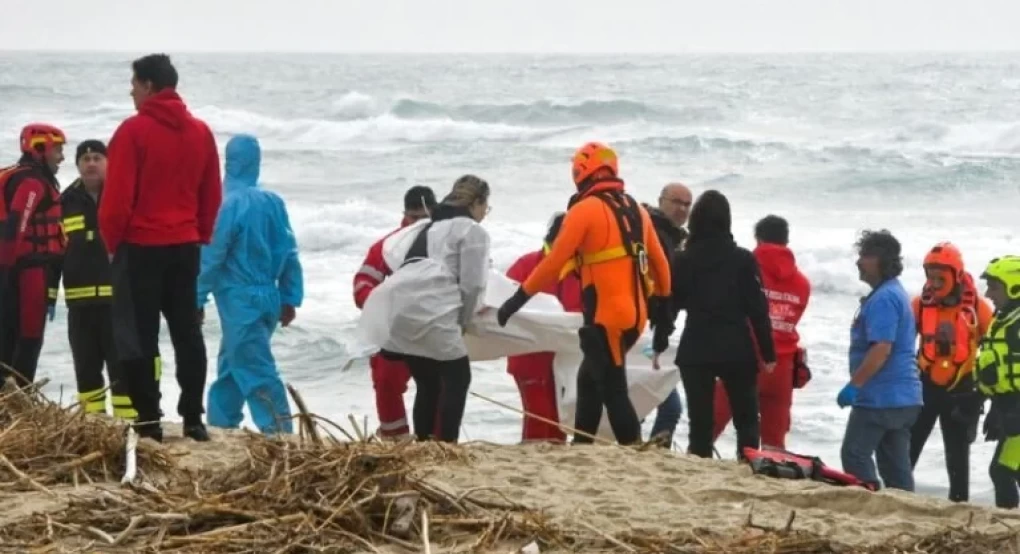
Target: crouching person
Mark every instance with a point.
(251, 268)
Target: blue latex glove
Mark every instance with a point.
(848, 395)
(52, 311)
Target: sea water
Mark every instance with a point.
(926, 146)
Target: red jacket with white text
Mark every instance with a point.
(787, 291)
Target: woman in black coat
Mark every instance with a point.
(718, 284)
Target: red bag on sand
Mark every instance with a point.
(787, 465)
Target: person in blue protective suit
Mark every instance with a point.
(251, 267)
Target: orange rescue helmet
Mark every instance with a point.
(945, 257)
(35, 134)
(945, 254)
(590, 158)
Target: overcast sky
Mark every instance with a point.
(511, 26)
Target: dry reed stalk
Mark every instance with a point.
(322, 496)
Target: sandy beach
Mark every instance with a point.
(557, 498)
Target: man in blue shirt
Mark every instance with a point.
(885, 388)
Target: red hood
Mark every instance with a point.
(776, 261)
(166, 107)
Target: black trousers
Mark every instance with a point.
(958, 422)
(741, 384)
(148, 281)
(442, 388)
(90, 333)
(603, 382)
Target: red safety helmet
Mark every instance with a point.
(35, 134)
(590, 158)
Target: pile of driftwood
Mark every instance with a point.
(316, 495)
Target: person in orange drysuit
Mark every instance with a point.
(787, 291)
(951, 319)
(611, 241)
(534, 372)
(390, 377)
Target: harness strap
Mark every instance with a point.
(419, 248)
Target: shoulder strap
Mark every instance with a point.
(7, 175)
(419, 248)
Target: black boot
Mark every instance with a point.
(196, 431)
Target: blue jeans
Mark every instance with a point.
(668, 415)
(885, 434)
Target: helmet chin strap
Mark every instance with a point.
(425, 207)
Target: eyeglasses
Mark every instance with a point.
(677, 202)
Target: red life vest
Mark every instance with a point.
(44, 238)
(949, 337)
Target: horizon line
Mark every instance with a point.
(509, 53)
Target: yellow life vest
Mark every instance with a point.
(998, 365)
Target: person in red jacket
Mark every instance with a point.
(534, 372)
(163, 191)
(390, 377)
(31, 247)
(787, 291)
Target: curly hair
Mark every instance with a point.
(883, 245)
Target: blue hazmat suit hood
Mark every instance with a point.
(244, 158)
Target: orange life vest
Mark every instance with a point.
(949, 339)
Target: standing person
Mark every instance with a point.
(610, 240)
(436, 293)
(884, 389)
(998, 376)
(162, 193)
(951, 319)
(31, 246)
(87, 290)
(669, 219)
(390, 377)
(787, 291)
(719, 285)
(533, 373)
(251, 267)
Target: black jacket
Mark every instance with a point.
(670, 236)
(718, 284)
(86, 266)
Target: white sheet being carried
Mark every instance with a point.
(541, 326)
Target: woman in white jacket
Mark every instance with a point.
(435, 295)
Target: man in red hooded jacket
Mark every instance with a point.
(787, 290)
(390, 377)
(534, 372)
(162, 193)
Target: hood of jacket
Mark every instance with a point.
(776, 261)
(243, 160)
(710, 251)
(166, 107)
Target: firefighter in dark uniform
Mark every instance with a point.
(87, 289)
